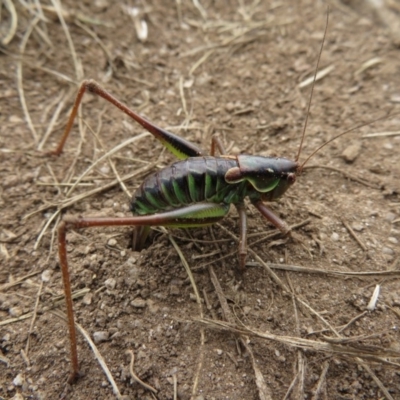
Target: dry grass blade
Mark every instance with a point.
(34, 314)
(75, 59)
(20, 79)
(14, 23)
(321, 74)
(365, 352)
(105, 157)
(54, 216)
(61, 100)
(70, 201)
(297, 268)
(134, 376)
(96, 353)
(200, 8)
(198, 300)
(376, 379)
(264, 391)
(55, 302)
(321, 381)
(17, 281)
(353, 234)
(381, 134)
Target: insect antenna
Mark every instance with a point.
(312, 89)
(344, 133)
(300, 168)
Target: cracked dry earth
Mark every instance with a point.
(238, 70)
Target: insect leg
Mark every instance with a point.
(178, 146)
(242, 252)
(216, 143)
(139, 237)
(271, 217)
(200, 214)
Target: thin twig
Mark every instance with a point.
(14, 23)
(134, 376)
(96, 353)
(20, 79)
(34, 314)
(355, 237)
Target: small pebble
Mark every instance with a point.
(357, 226)
(15, 311)
(390, 216)
(235, 150)
(87, 299)
(352, 152)
(46, 275)
(395, 98)
(100, 336)
(335, 236)
(246, 310)
(18, 380)
(387, 250)
(388, 146)
(393, 240)
(110, 283)
(219, 352)
(6, 337)
(112, 242)
(138, 303)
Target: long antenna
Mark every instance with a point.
(312, 87)
(344, 133)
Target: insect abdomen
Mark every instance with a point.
(186, 182)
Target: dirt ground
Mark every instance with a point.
(295, 323)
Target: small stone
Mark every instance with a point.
(6, 337)
(357, 226)
(112, 242)
(235, 150)
(15, 311)
(393, 240)
(18, 380)
(87, 299)
(18, 396)
(395, 98)
(387, 250)
(390, 216)
(110, 283)
(46, 275)
(246, 310)
(230, 107)
(138, 303)
(219, 352)
(352, 152)
(388, 146)
(100, 336)
(335, 237)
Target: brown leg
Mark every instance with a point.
(242, 252)
(177, 145)
(271, 217)
(201, 214)
(216, 143)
